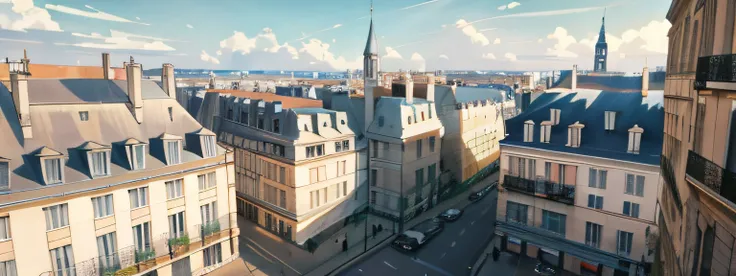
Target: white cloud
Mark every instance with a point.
(654, 35)
(206, 57)
(488, 56)
(305, 36)
(486, 30)
(470, 31)
(563, 40)
(24, 15)
(500, 8)
(190, 26)
(417, 57)
(540, 40)
(444, 57)
(497, 41)
(334, 40)
(510, 56)
(320, 51)
(137, 18)
(219, 52)
(392, 53)
(120, 40)
(239, 42)
(94, 13)
(543, 13)
(513, 5)
(418, 5)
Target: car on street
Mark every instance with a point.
(419, 235)
(545, 269)
(451, 214)
(477, 195)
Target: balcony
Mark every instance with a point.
(720, 68)
(541, 188)
(719, 180)
(668, 173)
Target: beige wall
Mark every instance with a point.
(28, 224)
(610, 217)
(482, 129)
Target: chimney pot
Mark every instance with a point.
(133, 76)
(574, 78)
(168, 80)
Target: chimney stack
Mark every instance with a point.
(168, 80)
(19, 87)
(106, 65)
(574, 78)
(645, 81)
(133, 76)
(430, 87)
(409, 85)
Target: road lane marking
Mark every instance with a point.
(472, 222)
(272, 255)
(453, 244)
(389, 265)
(462, 232)
(443, 255)
(360, 270)
(432, 267)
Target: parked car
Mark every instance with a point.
(451, 214)
(475, 196)
(545, 269)
(419, 235)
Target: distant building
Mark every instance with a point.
(601, 49)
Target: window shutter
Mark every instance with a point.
(627, 208)
(631, 142)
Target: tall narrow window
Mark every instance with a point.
(4, 175)
(528, 131)
(176, 225)
(610, 120)
(106, 250)
(276, 126)
(57, 216)
(624, 241)
(346, 145)
(142, 238)
(4, 230)
(431, 143)
(375, 148)
(100, 166)
(374, 177)
(516, 212)
(174, 189)
(546, 130)
(102, 206)
(53, 170)
(209, 146)
(208, 213)
(174, 151)
(593, 234)
(138, 157)
(419, 148)
(7, 268)
(212, 255)
(62, 261)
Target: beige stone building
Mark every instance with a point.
(698, 214)
(579, 179)
(101, 175)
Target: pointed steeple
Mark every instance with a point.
(602, 34)
(371, 46)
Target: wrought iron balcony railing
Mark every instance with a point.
(541, 188)
(721, 181)
(719, 68)
(668, 173)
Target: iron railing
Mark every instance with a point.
(668, 173)
(720, 68)
(721, 181)
(541, 188)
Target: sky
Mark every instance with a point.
(330, 35)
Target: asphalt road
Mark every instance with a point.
(450, 253)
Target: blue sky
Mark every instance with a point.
(331, 34)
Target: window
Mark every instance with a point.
(4, 176)
(631, 209)
(174, 189)
(346, 145)
(208, 213)
(554, 116)
(624, 241)
(374, 177)
(634, 140)
(62, 261)
(244, 117)
(53, 170)
(528, 131)
(7, 268)
(209, 146)
(380, 121)
(545, 133)
(573, 135)
(344, 188)
(276, 127)
(313, 151)
(176, 225)
(338, 147)
(4, 229)
(419, 148)
(107, 249)
(431, 143)
(593, 234)
(516, 212)
(270, 194)
(282, 199)
(282, 175)
(595, 201)
(171, 114)
(212, 255)
(174, 150)
(699, 123)
(634, 185)
(102, 206)
(373, 197)
(138, 197)
(56, 216)
(138, 157)
(206, 181)
(100, 166)
(547, 171)
(337, 190)
(260, 122)
(84, 116)
(610, 117)
(597, 178)
(142, 237)
(554, 222)
(375, 148)
(408, 120)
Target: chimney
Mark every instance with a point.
(106, 65)
(370, 99)
(133, 76)
(574, 77)
(645, 81)
(430, 87)
(19, 87)
(409, 84)
(168, 80)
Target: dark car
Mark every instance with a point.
(451, 214)
(418, 235)
(545, 269)
(477, 195)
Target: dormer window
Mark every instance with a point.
(136, 151)
(545, 132)
(4, 174)
(172, 148)
(573, 135)
(98, 158)
(635, 139)
(276, 126)
(52, 165)
(610, 117)
(529, 131)
(244, 117)
(208, 146)
(554, 116)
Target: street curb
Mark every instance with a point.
(361, 257)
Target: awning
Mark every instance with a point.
(550, 240)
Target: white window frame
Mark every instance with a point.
(634, 142)
(593, 233)
(62, 261)
(142, 237)
(5, 228)
(596, 199)
(554, 116)
(134, 164)
(141, 197)
(107, 249)
(4, 175)
(103, 206)
(610, 120)
(597, 178)
(8, 268)
(631, 212)
(177, 226)
(626, 251)
(99, 163)
(212, 255)
(57, 216)
(207, 180)
(209, 148)
(173, 157)
(545, 133)
(174, 189)
(529, 132)
(573, 137)
(208, 212)
(55, 173)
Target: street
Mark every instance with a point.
(450, 253)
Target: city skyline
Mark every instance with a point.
(330, 35)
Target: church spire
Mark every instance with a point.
(601, 48)
(371, 46)
(602, 34)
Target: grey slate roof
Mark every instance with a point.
(371, 46)
(58, 127)
(588, 107)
